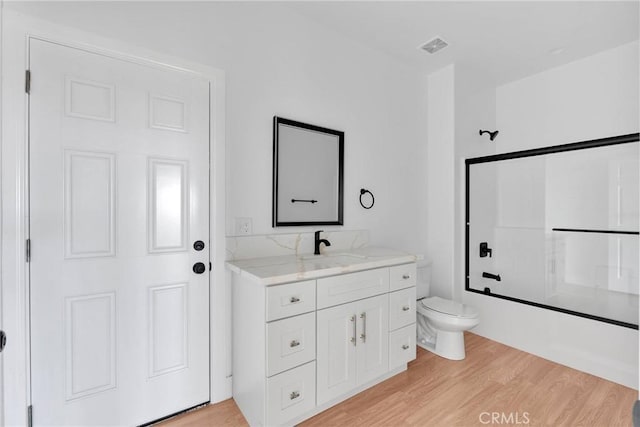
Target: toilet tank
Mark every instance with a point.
(423, 281)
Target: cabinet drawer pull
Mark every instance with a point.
(294, 395)
(406, 308)
(294, 343)
(363, 335)
(405, 346)
(406, 276)
(294, 300)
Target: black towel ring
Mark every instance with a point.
(362, 193)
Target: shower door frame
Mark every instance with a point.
(582, 145)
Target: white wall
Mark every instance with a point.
(594, 97)
(281, 63)
(440, 195)
(591, 98)
(324, 79)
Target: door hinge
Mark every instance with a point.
(3, 340)
(27, 81)
(30, 416)
(28, 250)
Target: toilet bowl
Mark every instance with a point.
(441, 324)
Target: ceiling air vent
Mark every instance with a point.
(432, 46)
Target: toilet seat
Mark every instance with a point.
(450, 308)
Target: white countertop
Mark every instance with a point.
(291, 268)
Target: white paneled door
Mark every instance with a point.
(119, 196)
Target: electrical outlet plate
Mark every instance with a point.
(243, 226)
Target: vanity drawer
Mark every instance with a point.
(402, 276)
(402, 308)
(290, 342)
(402, 346)
(290, 394)
(350, 287)
(290, 299)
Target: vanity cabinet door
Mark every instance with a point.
(353, 346)
(373, 338)
(336, 351)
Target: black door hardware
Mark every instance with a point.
(199, 268)
(3, 340)
(303, 201)
(495, 277)
(198, 245)
(485, 250)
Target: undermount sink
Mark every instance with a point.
(337, 257)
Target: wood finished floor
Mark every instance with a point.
(440, 392)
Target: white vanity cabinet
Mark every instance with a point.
(301, 347)
(402, 315)
(352, 346)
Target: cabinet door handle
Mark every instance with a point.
(294, 343)
(406, 276)
(294, 300)
(405, 347)
(353, 338)
(406, 308)
(294, 395)
(363, 335)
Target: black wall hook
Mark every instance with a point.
(362, 193)
(492, 135)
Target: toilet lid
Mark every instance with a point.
(449, 307)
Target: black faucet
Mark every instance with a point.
(318, 240)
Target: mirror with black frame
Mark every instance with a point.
(308, 167)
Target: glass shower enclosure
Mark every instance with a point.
(557, 228)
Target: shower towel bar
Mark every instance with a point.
(584, 230)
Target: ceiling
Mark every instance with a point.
(504, 40)
(501, 41)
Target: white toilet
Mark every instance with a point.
(441, 322)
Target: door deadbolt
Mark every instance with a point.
(199, 268)
(198, 245)
(3, 340)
